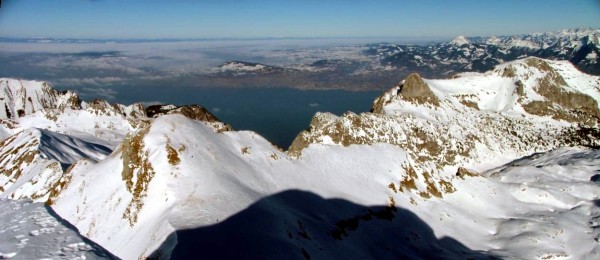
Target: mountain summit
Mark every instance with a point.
(460, 40)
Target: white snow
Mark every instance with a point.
(460, 40)
(29, 231)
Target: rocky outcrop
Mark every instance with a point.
(560, 103)
(137, 172)
(195, 112)
(414, 89)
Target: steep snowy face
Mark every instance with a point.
(22, 97)
(33, 160)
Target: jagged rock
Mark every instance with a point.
(413, 88)
(195, 112)
(560, 102)
(463, 173)
(19, 98)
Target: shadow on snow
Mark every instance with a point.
(301, 225)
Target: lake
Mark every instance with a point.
(278, 114)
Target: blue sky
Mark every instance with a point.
(289, 18)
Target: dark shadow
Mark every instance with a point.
(45, 140)
(301, 225)
(587, 154)
(98, 250)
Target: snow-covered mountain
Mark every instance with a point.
(580, 46)
(21, 97)
(480, 165)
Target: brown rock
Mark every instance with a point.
(414, 89)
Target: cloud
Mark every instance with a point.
(106, 93)
(76, 61)
(95, 81)
(313, 104)
(151, 103)
(216, 109)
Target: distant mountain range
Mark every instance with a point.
(580, 46)
(382, 64)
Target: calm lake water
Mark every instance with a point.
(278, 114)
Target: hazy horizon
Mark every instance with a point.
(246, 19)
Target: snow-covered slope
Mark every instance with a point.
(180, 174)
(30, 231)
(449, 157)
(539, 207)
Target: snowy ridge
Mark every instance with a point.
(178, 182)
(33, 162)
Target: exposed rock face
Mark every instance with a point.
(100, 106)
(413, 88)
(103, 107)
(20, 160)
(137, 172)
(560, 103)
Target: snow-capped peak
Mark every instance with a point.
(460, 40)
